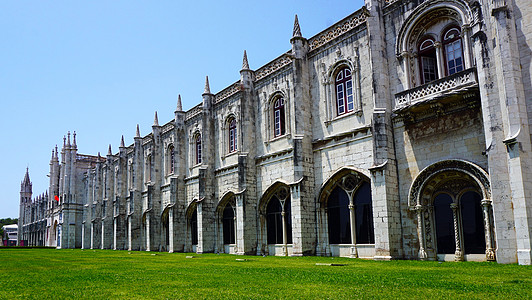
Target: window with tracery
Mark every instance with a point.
(279, 117)
(232, 135)
(344, 92)
(274, 220)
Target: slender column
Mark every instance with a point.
(114, 233)
(440, 59)
(234, 225)
(458, 253)
(92, 235)
(486, 207)
(103, 235)
(283, 219)
(422, 253)
(352, 221)
(129, 233)
(466, 46)
(171, 230)
(148, 232)
(406, 67)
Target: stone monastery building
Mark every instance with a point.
(400, 132)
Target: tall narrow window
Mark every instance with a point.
(198, 149)
(344, 92)
(452, 43)
(171, 159)
(444, 224)
(229, 224)
(274, 221)
(194, 227)
(338, 217)
(364, 215)
(427, 61)
(279, 117)
(232, 135)
(472, 223)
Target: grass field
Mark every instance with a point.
(89, 274)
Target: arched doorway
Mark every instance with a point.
(226, 224)
(276, 220)
(454, 214)
(191, 240)
(346, 216)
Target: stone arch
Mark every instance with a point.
(280, 191)
(428, 10)
(227, 199)
(453, 178)
(348, 180)
(191, 235)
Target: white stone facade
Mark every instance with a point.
(400, 132)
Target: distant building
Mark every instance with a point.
(10, 235)
(403, 131)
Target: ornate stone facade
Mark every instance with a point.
(402, 131)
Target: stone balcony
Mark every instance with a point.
(458, 83)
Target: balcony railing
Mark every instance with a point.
(453, 84)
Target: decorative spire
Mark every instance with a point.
(138, 131)
(297, 29)
(156, 120)
(26, 181)
(179, 105)
(207, 88)
(74, 143)
(68, 139)
(56, 153)
(245, 64)
(122, 145)
(64, 141)
(109, 152)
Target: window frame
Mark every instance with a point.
(452, 41)
(279, 116)
(429, 51)
(342, 80)
(232, 135)
(198, 149)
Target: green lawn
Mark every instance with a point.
(88, 274)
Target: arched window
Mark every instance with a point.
(171, 160)
(229, 224)
(194, 227)
(279, 117)
(198, 148)
(472, 223)
(427, 61)
(130, 175)
(344, 92)
(338, 216)
(444, 224)
(452, 45)
(364, 215)
(232, 135)
(274, 221)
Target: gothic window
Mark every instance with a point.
(232, 135)
(472, 223)
(427, 61)
(339, 213)
(171, 159)
(364, 215)
(105, 184)
(344, 92)
(452, 45)
(194, 227)
(338, 216)
(444, 224)
(228, 224)
(279, 117)
(198, 148)
(274, 221)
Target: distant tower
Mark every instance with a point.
(25, 201)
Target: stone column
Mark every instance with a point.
(486, 210)
(420, 232)
(458, 253)
(440, 60)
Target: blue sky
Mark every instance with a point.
(101, 67)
